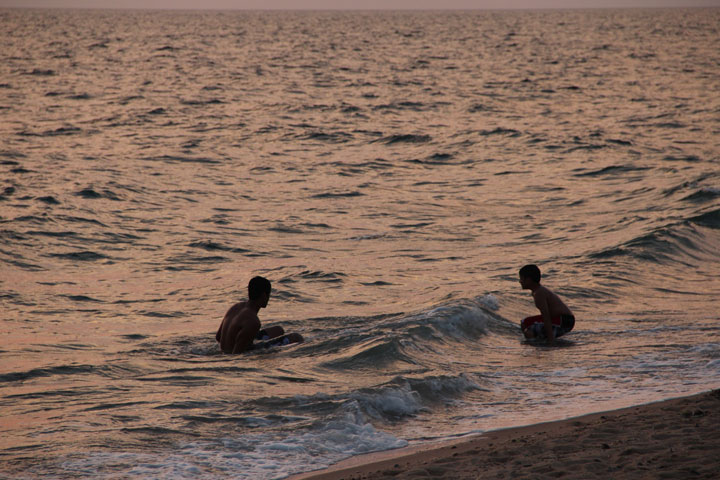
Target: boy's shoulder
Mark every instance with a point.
(235, 309)
(247, 316)
(541, 290)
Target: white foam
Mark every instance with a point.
(256, 457)
(489, 301)
(408, 398)
(460, 321)
(440, 388)
(390, 402)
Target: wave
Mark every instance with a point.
(215, 246)
(83, 256)
(442, 159)
(177, 262)
(610, 170)
(369, 354)
(406, 138)
(387, 403)
(41, 72)
(198, 102)
(704, 194)
(82, 299)
(709, 219)
(329, 137)
(74, 219)
(417, 341)
(11, 154)
(49, 200)
(331, 195)
(684, 158)
(400, 106)
(19, 261)
(499, 131)
(321, 445)
(7, 192)
(110, 371)
(686, 242)
(405, 397)
(700, 192)
(378, 348)
(90, 193)
(320, 276)
(179, 159)
(80, 96)
(67, 130)
(46, 372)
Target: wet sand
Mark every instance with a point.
(677, 438)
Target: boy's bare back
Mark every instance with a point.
(547, 299)
(238, 328)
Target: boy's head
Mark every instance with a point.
(529, 272)
(259, 289)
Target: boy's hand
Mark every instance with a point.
(550, 335)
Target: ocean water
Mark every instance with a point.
(389, 173)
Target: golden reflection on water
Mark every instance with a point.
(377, 168)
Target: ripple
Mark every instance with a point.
(404, 138)
(82, 256)
(331, 195)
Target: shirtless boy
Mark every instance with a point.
(555, 317)
(241, 325)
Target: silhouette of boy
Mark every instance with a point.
(555, 319)
(241, 325)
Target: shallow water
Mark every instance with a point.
(389, 173)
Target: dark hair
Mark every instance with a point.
(257, 287)
(532, 272)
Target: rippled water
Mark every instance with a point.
(389, 172)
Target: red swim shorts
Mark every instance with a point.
(562, 324)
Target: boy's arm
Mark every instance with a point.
(230, 313)
(542, 304)
(219, 332)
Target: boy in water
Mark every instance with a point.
(555, 317)
(241, 325)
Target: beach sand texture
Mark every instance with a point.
(674, 439)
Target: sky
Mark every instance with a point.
(355, 4)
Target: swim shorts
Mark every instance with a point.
(562, 324)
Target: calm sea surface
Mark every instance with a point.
(389, 173)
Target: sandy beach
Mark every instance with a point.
(675, 439)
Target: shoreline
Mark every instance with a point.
(675, 438)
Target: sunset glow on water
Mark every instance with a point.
(389, 173)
